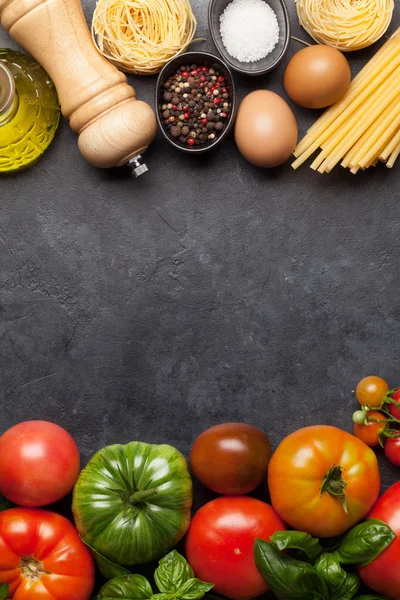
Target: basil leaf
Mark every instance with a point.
(348, 589)
(3, 591)
(370, 597)
(107, 568)
(288, 578)
(328, 567)
(128, 587)
(193, 589)
(364, 542)
(297, 540)
(173, 572)
(161, 597)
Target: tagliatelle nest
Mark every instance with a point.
(345, 24)
(141, 36)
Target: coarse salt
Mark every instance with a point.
(249, 29)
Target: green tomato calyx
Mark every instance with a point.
(334, 484)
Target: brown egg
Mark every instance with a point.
(317, 76)
(266, 129)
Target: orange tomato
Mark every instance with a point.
(323, 480)
(369, 433)
(371, 391)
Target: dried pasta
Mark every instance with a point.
(363, 128)
(345, 24)
(141, 36)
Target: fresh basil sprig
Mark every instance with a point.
(322, 577)
(364, 542)
(3, 591)
(193, 589)
(371, 597)
(297, 540)
(173, 571)
(348, 589)
(174, 578)
(287, 577)
(328, 567)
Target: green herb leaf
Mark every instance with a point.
(107, 568)
(371, 597)
(364, 542)
(297, 540)
(289, 579)
(348, 589)
(3, 591)
(328, 567)
(193, 589)
(161, 597)
(128, 587)
(172, 573)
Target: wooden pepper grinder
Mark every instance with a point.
(114, 128)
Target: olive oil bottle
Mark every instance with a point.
(29, 111)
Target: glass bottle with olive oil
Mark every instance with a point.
(29, 110)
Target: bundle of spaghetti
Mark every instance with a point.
(363, 128)
(141, 36)
(345, 24)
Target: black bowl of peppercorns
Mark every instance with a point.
(196, 101)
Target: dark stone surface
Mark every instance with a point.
(206, 291)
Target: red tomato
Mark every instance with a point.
(392, 450)
(393, 409)
(42, 557)
(369, 433)
(220, 540)
(39, 463)
(383, 574)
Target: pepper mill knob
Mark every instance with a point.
(114, 128)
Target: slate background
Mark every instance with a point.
(206, 291)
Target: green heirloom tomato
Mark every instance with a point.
(132, 503)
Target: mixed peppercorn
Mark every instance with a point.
(196, 105)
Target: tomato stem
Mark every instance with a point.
(141, 495)
(334, 484)
(32, 569)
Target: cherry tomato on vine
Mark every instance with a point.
(371, 391)
(392, 450)
(369, 431)
(393, 409)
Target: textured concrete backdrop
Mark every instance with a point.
(206, 291)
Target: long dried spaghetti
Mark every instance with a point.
(141, 36)
(363, 128)
(345, 24)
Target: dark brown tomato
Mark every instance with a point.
(231, 459)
